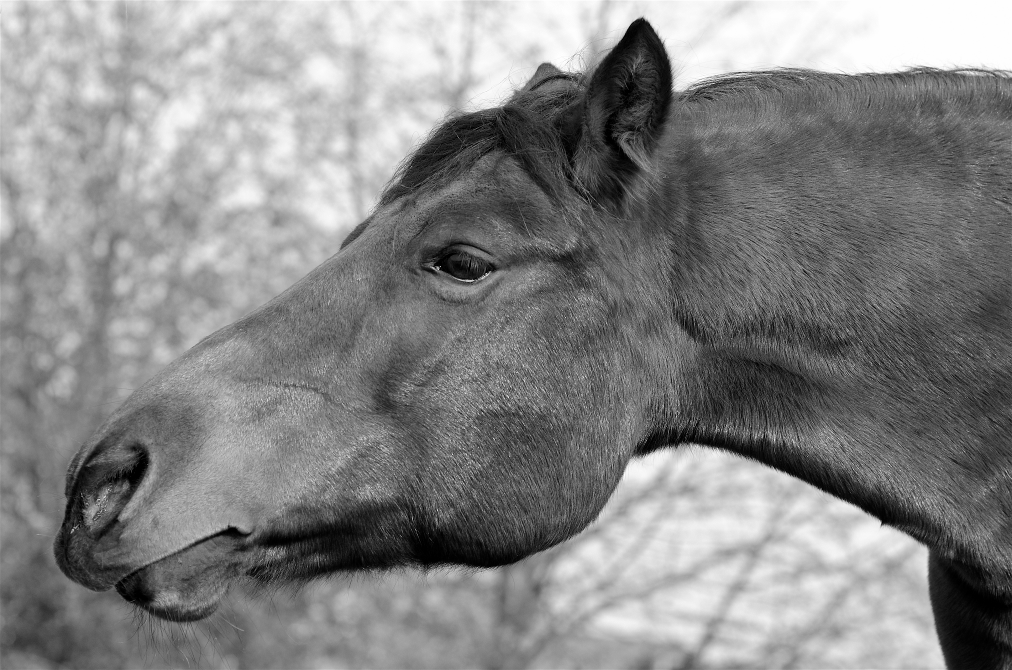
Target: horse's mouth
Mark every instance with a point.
(187, 585)
(169, 604)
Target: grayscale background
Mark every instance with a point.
(167, 167)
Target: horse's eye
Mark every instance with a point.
(463, 266)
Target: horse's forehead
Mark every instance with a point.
(493, 175)
(495, 186)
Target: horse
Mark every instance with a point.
(810, 270)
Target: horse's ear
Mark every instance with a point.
(545, 72)
(612, 134)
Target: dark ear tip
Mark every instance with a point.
(640, 37)
(641, 24)
(641, 30)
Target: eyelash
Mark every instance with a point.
(462, 266)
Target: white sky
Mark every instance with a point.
(902, 34)
(834, 36)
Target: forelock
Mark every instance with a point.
(524, 128)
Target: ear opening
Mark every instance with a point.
(613, 134)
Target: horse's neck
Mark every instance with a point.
(805, 337)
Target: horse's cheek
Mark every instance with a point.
(550, 444)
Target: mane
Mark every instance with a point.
(762, 86)
(523, 128)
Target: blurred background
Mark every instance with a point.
(167, 167)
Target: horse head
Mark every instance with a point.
(464, 382)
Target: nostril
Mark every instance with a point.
(109, 483)
(104, 503)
